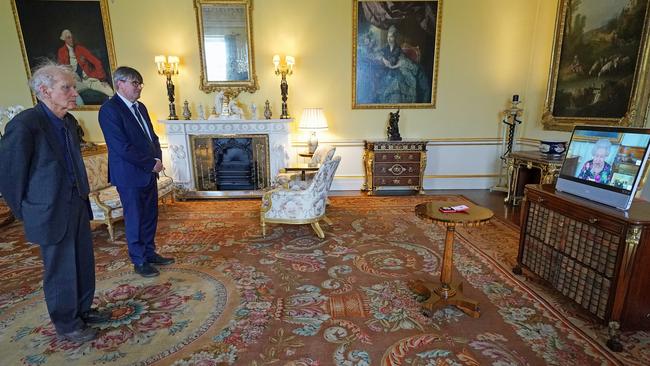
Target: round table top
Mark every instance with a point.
(475, 215)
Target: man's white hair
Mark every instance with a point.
(44, 75)
(65, 33)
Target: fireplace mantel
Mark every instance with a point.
(178, 137)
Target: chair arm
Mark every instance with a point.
(162, 172)
(94, 196)
(278, 193)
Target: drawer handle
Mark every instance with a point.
(540, 200)
(593, 220)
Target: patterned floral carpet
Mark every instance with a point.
(234, 297)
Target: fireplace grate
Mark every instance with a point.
(226, 163)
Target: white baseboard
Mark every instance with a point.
(354, 184)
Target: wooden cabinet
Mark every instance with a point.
(394, 165)
(595, 255)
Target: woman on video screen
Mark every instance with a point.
(596, 169)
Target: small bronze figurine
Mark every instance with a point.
(267, 110)
(393, 127)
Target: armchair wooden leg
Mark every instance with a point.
(111, 230)
(327, 220)
(318, 230)
(263, 228)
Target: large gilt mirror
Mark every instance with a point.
(226, 46)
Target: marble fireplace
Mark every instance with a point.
(225, 157)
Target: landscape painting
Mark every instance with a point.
(597, 62)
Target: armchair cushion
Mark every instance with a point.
(109, 197)
(293, 205)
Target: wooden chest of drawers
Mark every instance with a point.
(394, 165)
(595, 255)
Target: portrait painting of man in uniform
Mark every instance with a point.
(79, 36)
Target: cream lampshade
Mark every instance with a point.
(313, 119)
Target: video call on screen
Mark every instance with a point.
(625, 156)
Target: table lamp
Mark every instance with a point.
(313, 119)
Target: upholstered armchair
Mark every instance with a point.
(303, 206)
(322, 154)
(104, 199)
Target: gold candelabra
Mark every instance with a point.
(168, 66)
(284, 68)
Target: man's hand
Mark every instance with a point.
(158, 167)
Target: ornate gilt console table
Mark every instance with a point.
(530, 167)
(394, 165)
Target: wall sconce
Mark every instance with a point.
(313, 119)
(168, 66)
(284, 68)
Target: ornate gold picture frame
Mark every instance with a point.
(226, 46)
(599, 69)
(395, 53)
(70, 32)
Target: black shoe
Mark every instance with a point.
(160, 260)
(94, 316)
(146, 270)
(81, 335)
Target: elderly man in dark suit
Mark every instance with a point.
(134, 161)
(44, 183)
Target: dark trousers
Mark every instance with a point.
(69, 277)
(140, 206)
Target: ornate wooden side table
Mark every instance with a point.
(448, 293)
(530, 167)
(302, 168)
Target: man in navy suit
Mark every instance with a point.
(44, 182)
(134, 161)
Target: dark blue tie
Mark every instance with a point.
(140, 121)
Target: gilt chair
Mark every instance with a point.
(300, 206)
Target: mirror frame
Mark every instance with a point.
(230, 88)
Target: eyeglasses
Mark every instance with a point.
(135, 83)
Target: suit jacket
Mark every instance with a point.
(34, 180)
(131, 155)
